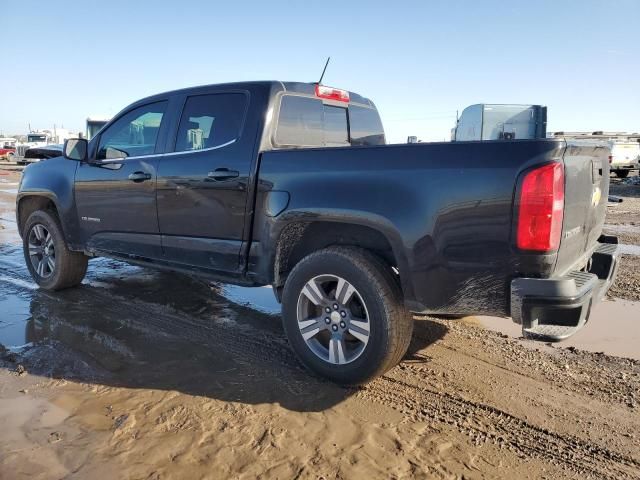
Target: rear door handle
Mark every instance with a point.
(220, 174)
(139, 176)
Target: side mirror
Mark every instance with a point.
(76, 149)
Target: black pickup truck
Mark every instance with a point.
(292, 185)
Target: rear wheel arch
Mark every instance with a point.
(300, 238)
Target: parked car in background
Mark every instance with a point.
(293, 185)
(7, 148)
(624, 157)
(624, 148)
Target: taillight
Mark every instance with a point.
(610, 159)
(541, 208)
(331, 93)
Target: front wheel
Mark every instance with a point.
(51, 264)
(344, 315)
(622, 173)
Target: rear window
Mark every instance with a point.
(308, 122)
(366, 127)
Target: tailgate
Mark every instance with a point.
(586, 172)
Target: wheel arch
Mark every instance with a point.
(299, 236)
(29, 203)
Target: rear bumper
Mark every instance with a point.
(558, 307)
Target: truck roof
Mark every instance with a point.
(297, 87)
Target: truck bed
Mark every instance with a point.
(446, 209)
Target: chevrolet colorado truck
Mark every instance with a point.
(293, 185)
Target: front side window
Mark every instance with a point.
(133, 134)
(210, 121)
(305, 121)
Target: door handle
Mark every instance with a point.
(139, 176)
(220, 174)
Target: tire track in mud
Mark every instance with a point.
(482, 423)
(591, 374)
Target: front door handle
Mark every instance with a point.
(220, 174)
(139, 176)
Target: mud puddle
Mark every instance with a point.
(613, 328)
(261, 299)
(13, 320)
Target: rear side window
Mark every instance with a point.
(210, 121)
(308, 122)
(366, 127)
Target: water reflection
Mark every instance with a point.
(261, 299)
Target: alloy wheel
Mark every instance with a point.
(42, 252)
(333, 319)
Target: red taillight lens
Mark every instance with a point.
(331, 93)
(610, 158)
(541, 209)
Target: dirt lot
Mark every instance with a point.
(623, 220)
(139, 374)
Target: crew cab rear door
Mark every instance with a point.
(203, 182)
(586, 173)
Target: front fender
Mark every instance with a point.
(53, 180)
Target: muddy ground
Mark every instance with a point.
(140, 374)
(623, 220)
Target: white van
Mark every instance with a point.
(624, 157)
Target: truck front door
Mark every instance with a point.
(203, 183)
(116, 191)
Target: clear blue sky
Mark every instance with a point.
(419, 61)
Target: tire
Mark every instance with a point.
(50, 262)
(366, 335)
(622, 173)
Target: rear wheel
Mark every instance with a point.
(622, 173)
(344, 315)
(51, 264)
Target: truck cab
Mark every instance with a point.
(41, 140)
